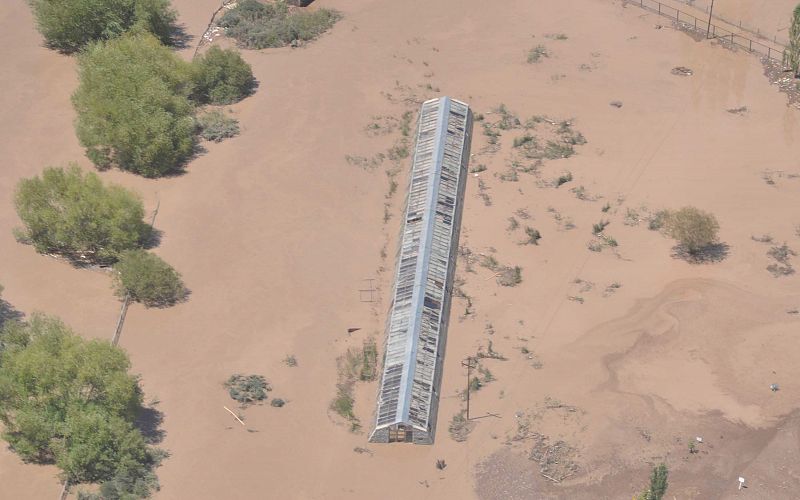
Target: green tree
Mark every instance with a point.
(658, 484)
(791, 57)
(221, 76)
(49, 375)
(148, 279)
(75, 215)
(693, 228)
(133, 107)
(68, 25)
(70, 401)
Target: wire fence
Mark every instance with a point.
(725, 36)
(762, 34)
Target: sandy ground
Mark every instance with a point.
(769, 18)
(275, 233)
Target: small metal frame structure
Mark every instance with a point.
(408, 398)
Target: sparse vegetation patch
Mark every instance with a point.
(782, 265)
(247, 389)
(256, 25)
(460, 427)
(537, 53)
(216, 126)
(533, 236)
(353, 366)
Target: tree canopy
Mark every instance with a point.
(68, 25)
(148, 279)
(133, 106)
(76, 215)
(221, 76)
(67, 400)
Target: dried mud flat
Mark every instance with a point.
(619, 351)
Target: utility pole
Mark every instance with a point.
(468, 363)
(710, 11)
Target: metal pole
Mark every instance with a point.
(469, 374)
(708, 30)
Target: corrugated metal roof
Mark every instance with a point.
(425, 264)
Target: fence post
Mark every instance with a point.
(769, 52)
(751, 46)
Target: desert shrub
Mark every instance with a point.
(693, 228)
(215, 126)
(247, 389)
(75, 215)
(555, 150)
(133, 107)
(72, 402)
(563, 179)
(460, 427)
(782, 253)
(255, 25)
(491, 133)
(521, 141)
(533, 236)
(508, 120)
(481, 167)
(68, 25)
(147, 279)
(537, 53)
(657, 220)
(782, 265)
(510, 276)
(599, 227)
(221, 76)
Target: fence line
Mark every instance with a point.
(744, 27)
(725, 36)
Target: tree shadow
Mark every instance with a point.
(716, 252)
(179, 37)
(153, 239)
(149, 421)
(8, 313)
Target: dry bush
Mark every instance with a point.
(694, 229)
